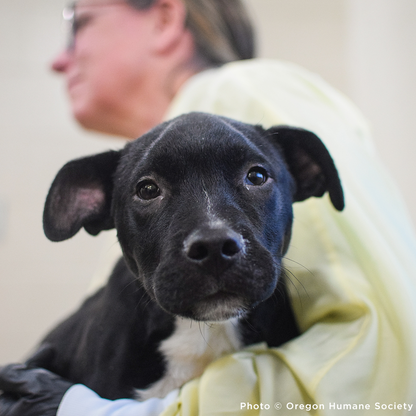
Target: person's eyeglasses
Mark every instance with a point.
(69, 16)
(75, 22)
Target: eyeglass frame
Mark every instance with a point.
(69, 16)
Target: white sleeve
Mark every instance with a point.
(81, 401)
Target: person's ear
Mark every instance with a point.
(170, 19)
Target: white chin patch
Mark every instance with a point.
(219, 310)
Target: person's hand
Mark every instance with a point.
(28, 391)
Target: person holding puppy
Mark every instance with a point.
(130, 65)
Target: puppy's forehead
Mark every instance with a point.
(199, 139)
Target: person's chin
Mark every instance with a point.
(90, 117)
(83, 114)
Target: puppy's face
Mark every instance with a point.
(202, 207)
(203, 214)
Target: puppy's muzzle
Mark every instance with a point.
(214, 249)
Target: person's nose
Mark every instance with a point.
(61, 62)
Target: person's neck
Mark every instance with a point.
(161, 97)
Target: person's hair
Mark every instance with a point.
(221, 28)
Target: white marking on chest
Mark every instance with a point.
(188, 351)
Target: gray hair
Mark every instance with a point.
(221, 28)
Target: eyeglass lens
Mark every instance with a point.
(69, 16)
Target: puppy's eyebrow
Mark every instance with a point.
(251, 145)
(160, 137)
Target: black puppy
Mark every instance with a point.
(203, 210)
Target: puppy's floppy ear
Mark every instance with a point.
(310, 164)
(80, 196)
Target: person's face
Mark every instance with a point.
(106, 63)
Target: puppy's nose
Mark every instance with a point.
(216, 245)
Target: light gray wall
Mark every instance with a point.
(381, 63)
(363, 47)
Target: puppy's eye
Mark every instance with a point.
(256, 176)
(147, 190)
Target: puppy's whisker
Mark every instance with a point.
(250, 325)
(202, 334)
(299, 264)
(288, 271)
(128, 286)
(297, 286)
